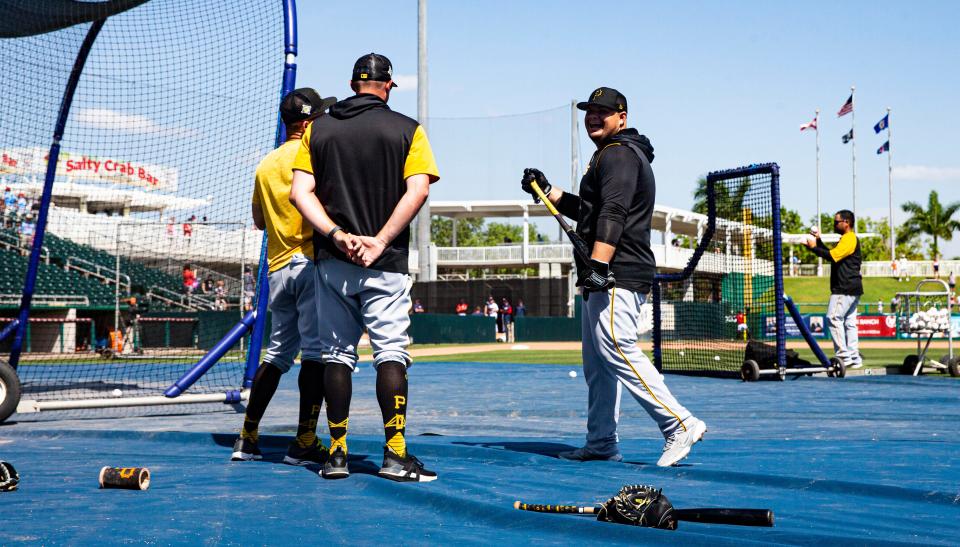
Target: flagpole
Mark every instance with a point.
(853, 147)
(819, 227)
(893, 233)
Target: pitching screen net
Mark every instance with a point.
(175, 106)
(734, 291)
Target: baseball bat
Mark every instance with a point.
(579, 245)
(738, 517)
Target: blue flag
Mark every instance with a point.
(884, 148)
(882, 124)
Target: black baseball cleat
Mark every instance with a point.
(245, 450)
(406, 469)
(336, 465)
(305, 456)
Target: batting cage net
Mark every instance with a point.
(149, 256)
(731, 291)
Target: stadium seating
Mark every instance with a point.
(53, 279)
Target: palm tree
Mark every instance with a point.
(729, 195)
(935, 221)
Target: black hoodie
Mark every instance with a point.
(615, 206)
(361, 155)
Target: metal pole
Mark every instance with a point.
(853, 148)
(574, 148)
(893, 233)
(819, 221)
(423, 218)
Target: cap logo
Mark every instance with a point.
(597, 94)
(363, 76)
(619, 106)
(305, 109)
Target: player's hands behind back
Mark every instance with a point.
(347, 243)
(531, 174)
(369, 249)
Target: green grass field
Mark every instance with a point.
(812, 293)
(872, 357)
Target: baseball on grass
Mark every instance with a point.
(572, 374)
(716, 357)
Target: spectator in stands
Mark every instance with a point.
(27, 230)
(249, 288)
(492, 307)
(208, 285)
(170, 222)
(506, 313)
(418, 307)
(462, 307)
(188, 228)
(189, 279)
(9, 206)
(23, 205)
(220, 292)
(519, 310)
(477, 311)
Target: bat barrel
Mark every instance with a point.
(739, 517)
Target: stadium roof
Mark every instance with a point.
(70, 194)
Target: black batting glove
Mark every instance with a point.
(599, 278)
(531, 174)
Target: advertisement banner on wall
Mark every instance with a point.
(816, 324)
(877, 326)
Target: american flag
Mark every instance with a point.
(846, 108)
(812, 124)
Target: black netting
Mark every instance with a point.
(706, 319)
(176, 105)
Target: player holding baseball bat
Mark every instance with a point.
(615, 267)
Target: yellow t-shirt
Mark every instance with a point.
(287, 232)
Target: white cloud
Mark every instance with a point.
(924, 173)
(405, 82)
(104, 118)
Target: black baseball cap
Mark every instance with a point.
(606, 97)
(373, 67)
(303, 104)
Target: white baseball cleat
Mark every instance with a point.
(678, 445)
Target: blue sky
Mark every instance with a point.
(714, 85)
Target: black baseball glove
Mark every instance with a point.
(531, 174)
(639, 505)
(9, 479)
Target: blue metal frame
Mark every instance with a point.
(253, 322)
(29, 284)
(773, 170)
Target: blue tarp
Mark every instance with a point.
(859, 460)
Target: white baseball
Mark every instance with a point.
(572, 374)
(117, 393)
